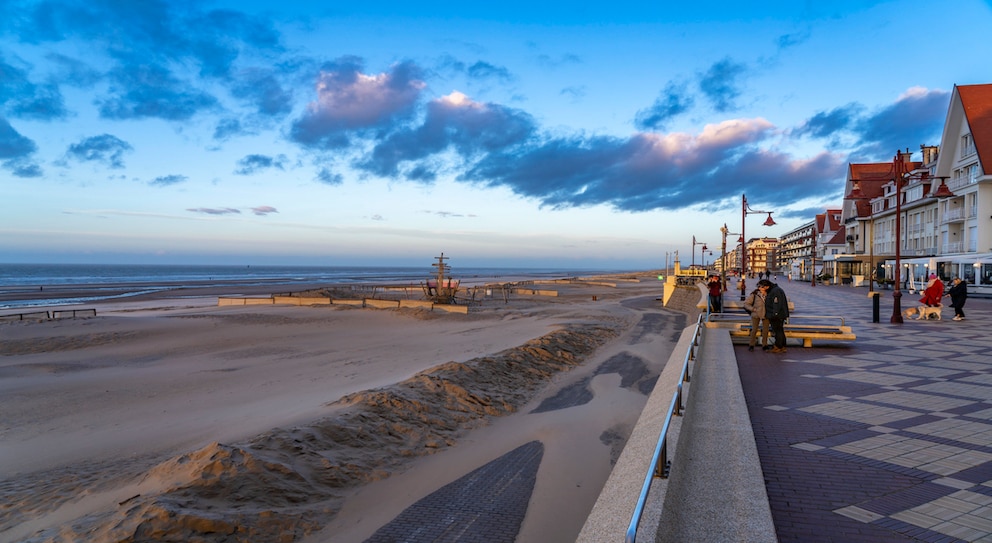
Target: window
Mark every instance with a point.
(972, 173)
(967, 145)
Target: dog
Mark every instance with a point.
(923, 312)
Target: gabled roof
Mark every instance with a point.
(833, 220)
(870, 177)
(838, 239)
(977, 103)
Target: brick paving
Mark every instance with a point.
(884, 439)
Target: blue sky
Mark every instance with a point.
(599, 135)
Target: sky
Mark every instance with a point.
(596, 135)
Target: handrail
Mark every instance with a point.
(659, 460)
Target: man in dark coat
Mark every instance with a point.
(776, 311)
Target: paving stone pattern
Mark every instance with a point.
(485, 506)
(884, 439)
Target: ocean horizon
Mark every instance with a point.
(17, 280)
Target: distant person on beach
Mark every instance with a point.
(716, 294)
(958, 293)
(934, 292)
(776, 311)
(755, 306)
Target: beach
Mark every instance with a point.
(173, 418)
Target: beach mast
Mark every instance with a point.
(442, 288)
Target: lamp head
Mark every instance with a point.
(769, 221)
(942, 191)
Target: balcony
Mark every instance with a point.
(952, 215)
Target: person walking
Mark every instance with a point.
(755, 306)
(776, 311)
(716, 294)
(958, 293)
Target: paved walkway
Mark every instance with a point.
(886, 439)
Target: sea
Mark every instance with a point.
(23, 285)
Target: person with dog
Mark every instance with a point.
(958, 294)
(934, 292)
(776, 311)
(755, 306)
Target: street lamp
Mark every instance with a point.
(694, 243)
(900, 176)
(724, 231)
(745, 211)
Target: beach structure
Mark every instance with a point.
(441, 289)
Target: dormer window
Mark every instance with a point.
(967, 145)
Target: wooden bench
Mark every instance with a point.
(816, 327)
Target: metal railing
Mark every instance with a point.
(660, 465)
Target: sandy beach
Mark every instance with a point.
(173, 419)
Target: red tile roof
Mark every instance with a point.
(839, 238)
(977, 102)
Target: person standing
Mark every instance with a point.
(958, 293)
(755, 306)
(934, 292)
(776, 311)
(716, 294)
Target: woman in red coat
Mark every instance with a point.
(934, 292)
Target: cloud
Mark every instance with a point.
(152, 91)
(21, 98)
(12, 143)
(785, 41)
(549, 62)
(653, 171)
(104, 148)
(485, 70)
(226, 128)
(22, 167)
(916, 117)
(452, 122)
(215, 210)
(349, 100)
(575, 92)
(721, 85)
(674, 101)
(828, 123)
(264, 210)
(254, 163)
(261, 89)
(167, 180)
(328, 177)
(153, 50)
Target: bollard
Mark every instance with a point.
(874, 306)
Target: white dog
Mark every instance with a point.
(923, 312)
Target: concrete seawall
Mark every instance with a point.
(716, 490)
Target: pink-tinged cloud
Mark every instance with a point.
(349, 100)
(264, 210)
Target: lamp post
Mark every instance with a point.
(724, 231)
(745, 211)
(694, 243)
(901, 175)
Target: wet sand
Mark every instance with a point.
(175, 418)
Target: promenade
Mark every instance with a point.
(884, 439)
